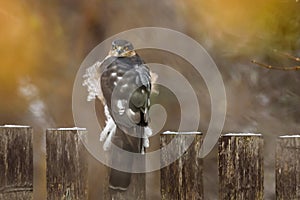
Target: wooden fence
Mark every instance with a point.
(240, 167)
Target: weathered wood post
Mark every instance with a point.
(183, 178)
(67, 169)
(16, 162)
(241, 166)
(288, 167)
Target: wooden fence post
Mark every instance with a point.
(241, 166)
(16, 162)
(288, 167)
(183, 178)
(67, 169)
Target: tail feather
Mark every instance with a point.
(120, 180)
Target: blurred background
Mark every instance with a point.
(42, 44)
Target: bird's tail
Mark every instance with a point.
(120, 180)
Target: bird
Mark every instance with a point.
(123, 83)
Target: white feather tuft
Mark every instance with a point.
(146, 142)
(108, 141)
(143, 151)
(109, 130)
(148, 131)
(147, 134)
(106, 112)
(110, 125)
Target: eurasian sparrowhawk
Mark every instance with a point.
(124, 87)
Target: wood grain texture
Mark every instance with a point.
(16, 163)
(241, 167)
(135, 191)
(183, 178)
(288, 168)
(67, 169)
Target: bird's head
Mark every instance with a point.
(121, 48)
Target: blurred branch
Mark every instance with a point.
(280, 67)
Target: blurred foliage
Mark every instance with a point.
(236, 32)
(248, 28)
(45, 42)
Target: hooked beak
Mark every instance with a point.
(119, 50)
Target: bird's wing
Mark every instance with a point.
(128, 96)
(126, 87)
(139, 102)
